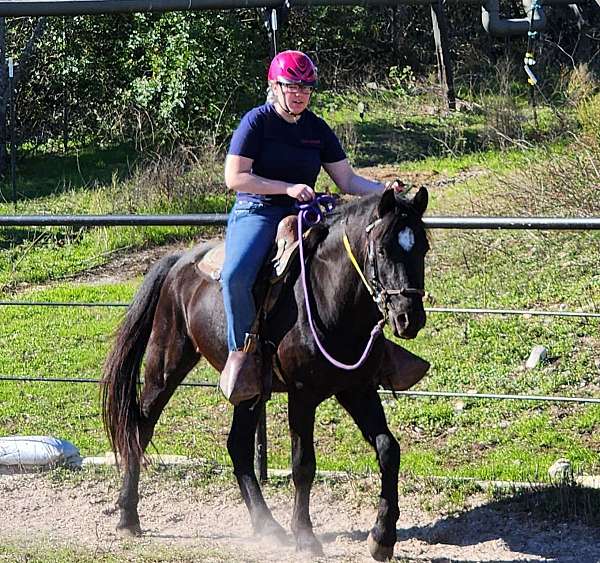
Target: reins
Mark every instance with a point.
(310, 214)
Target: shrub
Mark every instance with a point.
(588, 115)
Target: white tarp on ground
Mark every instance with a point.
(23, 454)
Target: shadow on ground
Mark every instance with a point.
(381, 144)
(43, 175)
(558, 524)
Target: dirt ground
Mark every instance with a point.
(214, 521)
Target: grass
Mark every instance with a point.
(104, 182)
(510, 440)
(442, 437)
(72, 172)
(412, 127)
(41, 552)
(396, 131)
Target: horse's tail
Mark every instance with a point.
(120, 398)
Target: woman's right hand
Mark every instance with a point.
(301, 192)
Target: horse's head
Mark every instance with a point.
(396, 249)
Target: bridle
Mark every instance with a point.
(309, 214)
(380, 294)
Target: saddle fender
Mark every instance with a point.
(401, 369)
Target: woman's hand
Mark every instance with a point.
(302, 192)
(397, 185)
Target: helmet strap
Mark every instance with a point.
(284, 106)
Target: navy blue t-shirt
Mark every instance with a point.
(289, 152)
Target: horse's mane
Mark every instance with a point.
(353, 217)
(360, 210)
(354, 209)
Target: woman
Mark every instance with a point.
(275, 156)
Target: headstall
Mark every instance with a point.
(379, 293)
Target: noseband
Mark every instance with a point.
(380, 294)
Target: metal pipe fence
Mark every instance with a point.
(13, 8)
(423, 394)
(217, 219)
(448, 310)
(220, 219)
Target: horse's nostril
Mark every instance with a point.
(404, 320)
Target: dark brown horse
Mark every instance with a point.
(177, 315)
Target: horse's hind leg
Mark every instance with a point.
(168, 360)
(240, 445)
(367, 411)
(301, 418)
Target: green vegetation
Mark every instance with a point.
(42, 553)
(477, 171)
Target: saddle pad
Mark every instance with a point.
(211, 263)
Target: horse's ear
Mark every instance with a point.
(387, 203)
(421, 200)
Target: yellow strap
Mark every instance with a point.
(355, 263)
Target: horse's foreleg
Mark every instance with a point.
(367, 411)
(240, 446)
(302, 420)
(166, 366)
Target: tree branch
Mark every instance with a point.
(29, 48)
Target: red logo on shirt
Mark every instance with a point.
(310, 141)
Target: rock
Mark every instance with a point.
(561, 471)
(538, 354)
(361, 109)
(459, 406)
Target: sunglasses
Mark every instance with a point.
(296, 88)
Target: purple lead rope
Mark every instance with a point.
(310, 214)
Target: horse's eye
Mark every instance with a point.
(381, 252)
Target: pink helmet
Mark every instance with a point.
(293, 67)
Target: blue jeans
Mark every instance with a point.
(251, 231)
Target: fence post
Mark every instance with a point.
(13, 143)
(440, 34)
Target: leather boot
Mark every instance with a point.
(240, 378)
(400, 368)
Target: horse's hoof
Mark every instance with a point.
(131, 531)
(308, 543)
(379, 552)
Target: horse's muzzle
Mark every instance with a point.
(407, 325)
